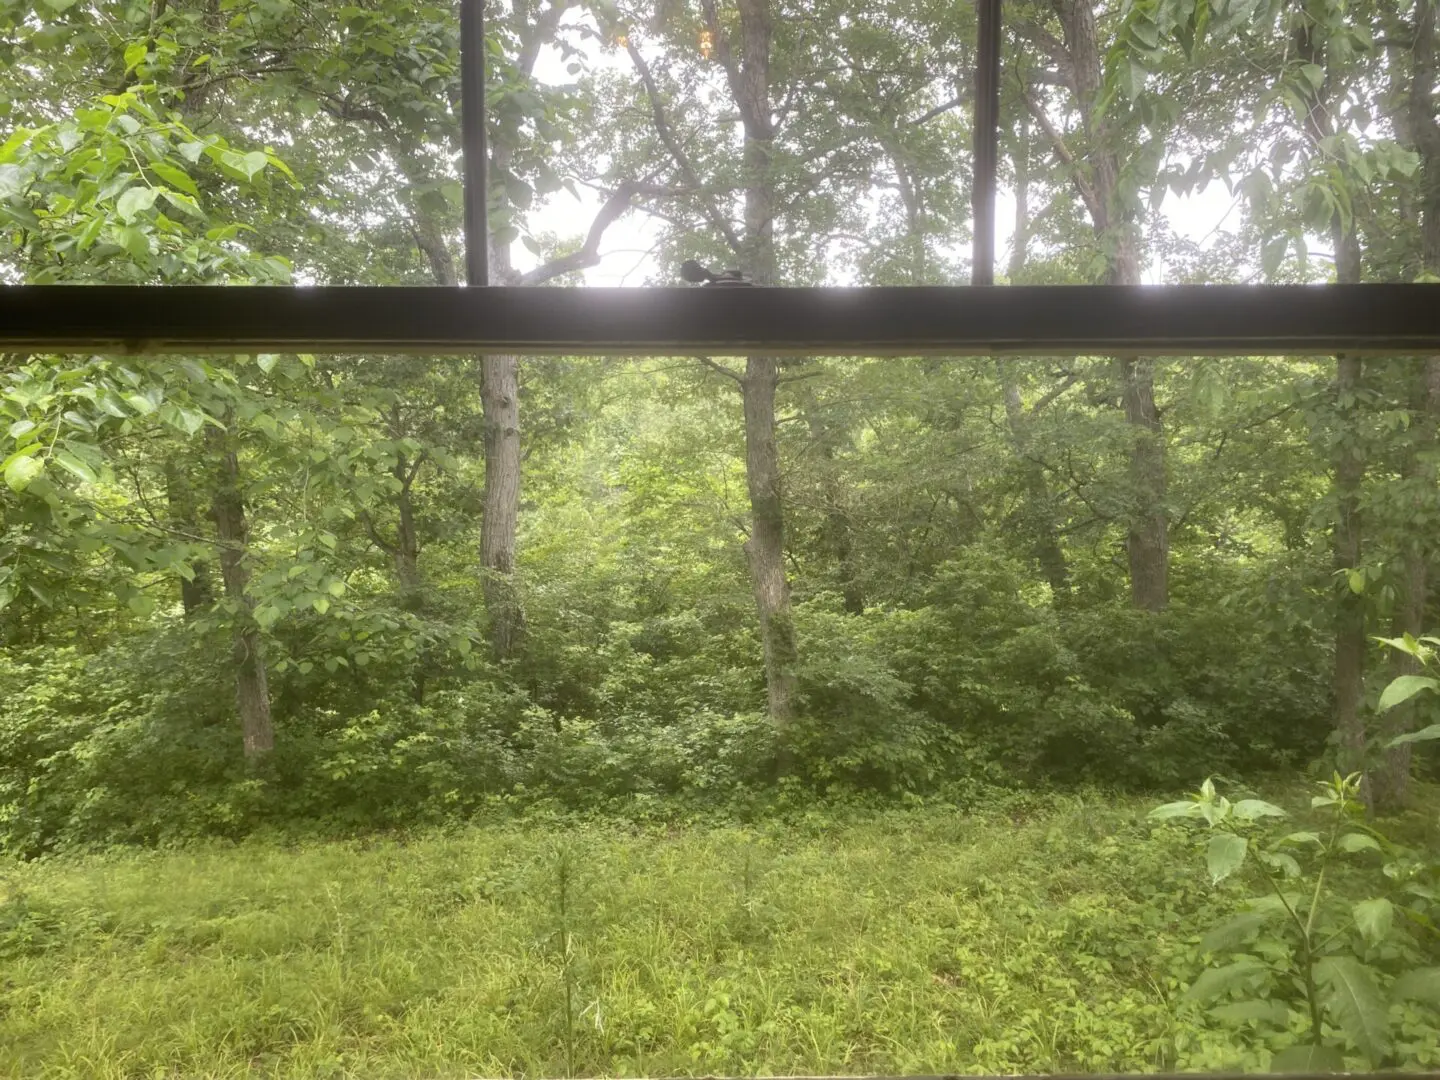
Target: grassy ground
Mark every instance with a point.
(1048, 940)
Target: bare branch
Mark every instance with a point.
(375, 537)
(938, 110)
(682, 160)
(409, 478)
(729, 373)
(589, 253)
(1082, 185)
(540, 33)
(721, 44)
(1047, 398)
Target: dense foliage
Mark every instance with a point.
(375, 591)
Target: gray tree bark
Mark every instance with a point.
(1147, 542)
(252, 688)
(500, 398)
(197, 592)
(1390, 785)
(748, 77)
(1039, 515)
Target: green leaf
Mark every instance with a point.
(75, 467)
(176, 178)
(189, 420)
(90, 233)
(1404, 687)
(1279, 860)
(134, 201)
(519, 192)
(135, 54)
(21, 428)
(1355, 841)
(321, 604)
(20, 471)
(183, 202)
(1272, 254)
(1422, 984)
(1254, 809)
(12, 181)
(1405, 643)
(1314, 74)
(1235, 931)
(1213, 982)
(134, 241)
(1374, 918)
(1132, 78)
(1224, 856)
(1188, 808)
(1308, 1059)
(1423, 735)
(253, 163)
(1354, 1003)
(140, 403)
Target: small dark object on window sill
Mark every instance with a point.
(696, 274)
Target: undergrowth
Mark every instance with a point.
(1034, 937)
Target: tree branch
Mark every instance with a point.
(589, 253)
(938, 110)
(682, 160)
(1046, 399)
(733, 76)
(784, 379)
(1087, 193)
(375, 537)
(729, 373)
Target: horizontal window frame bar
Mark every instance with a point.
(1102, 320)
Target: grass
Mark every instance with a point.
(1057, 939)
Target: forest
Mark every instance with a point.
(495, 715)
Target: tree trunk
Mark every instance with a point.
(1391, 778)
(835, 537)
(500, 417)
(252, 689)
(407, 541)
(1039, 501)
(1390, 787)
(1349, 466)
(500, 399)
(748, 77)
(196, 592)
(765, 550)
(837, 534)
(1147, 541)
(1039, 513)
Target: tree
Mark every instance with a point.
(1107, 188)
(1419, 127)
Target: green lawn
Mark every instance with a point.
(1044, 940)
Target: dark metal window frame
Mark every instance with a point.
(953, 320)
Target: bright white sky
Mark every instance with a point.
(624, 252)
